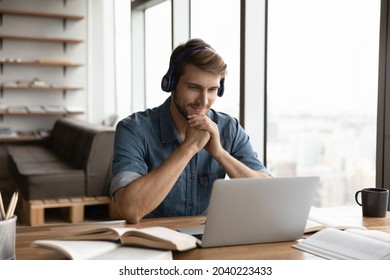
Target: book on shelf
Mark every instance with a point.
(27, 133)
(149, 237)
(3, 107)
(6, 132)
(320, 218)
(9, 84)
(36, 109)
(74, 109)
(23, 83)
(101, 250)
(17, 109)
(349, 244)
(37, 83)
(55, 109)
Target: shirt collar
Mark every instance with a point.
(168, 130)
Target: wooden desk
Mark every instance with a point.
(269, 251)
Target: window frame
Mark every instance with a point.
(383, 113)
(254, 15)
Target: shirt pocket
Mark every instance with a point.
(206, 181)
(173, 204)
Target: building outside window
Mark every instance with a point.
(322, 92)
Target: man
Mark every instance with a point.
(167, 158)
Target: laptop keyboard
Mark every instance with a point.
(198, 236)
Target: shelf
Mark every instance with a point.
(22, 136)
(40, 14)
(64, 41)
(42, 63)
(48, 88)
(40, 113)
(38, 18)
(63, 17)
(37, 114)
(40, 39)
(40, 88)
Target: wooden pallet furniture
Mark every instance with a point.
(33, 211)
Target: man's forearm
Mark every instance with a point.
(143, 195)
(235, 168)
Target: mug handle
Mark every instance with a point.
(356, 197)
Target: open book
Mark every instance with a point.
(350, 244)
(101, 250)
(151, 237)
(320, 218)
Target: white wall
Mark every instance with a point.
(27, 50)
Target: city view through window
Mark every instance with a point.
(322, 93)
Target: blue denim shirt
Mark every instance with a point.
(145, 139)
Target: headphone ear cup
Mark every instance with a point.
(221, 88)
(168, 82)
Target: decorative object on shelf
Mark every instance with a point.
(37, 83)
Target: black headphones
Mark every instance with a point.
(168, 83)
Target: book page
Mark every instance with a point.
(150, 236)
(78, 250)
(102, 250)
(337, 244)
(162, 234)
(327, 219)
(375, 234)
(112, 233)
(132, 253)
(312, 226)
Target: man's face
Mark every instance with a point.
(196, 91)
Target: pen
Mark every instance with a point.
(12, 206)
(2, 212)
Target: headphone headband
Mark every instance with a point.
(168, 82)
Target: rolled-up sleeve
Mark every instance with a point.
(128, 162)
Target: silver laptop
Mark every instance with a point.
(247, 211)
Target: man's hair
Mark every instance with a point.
(205, 58)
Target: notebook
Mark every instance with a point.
(247, 211)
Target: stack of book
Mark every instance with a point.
(6, 132)
(121, 243)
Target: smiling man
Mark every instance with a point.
(167, 158)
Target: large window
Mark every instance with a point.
(322, 93)
(158, 48)
(218, 23)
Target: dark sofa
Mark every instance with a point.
(75, 161)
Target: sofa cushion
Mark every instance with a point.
(75, 161)
(45, 180)
(31, 153)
